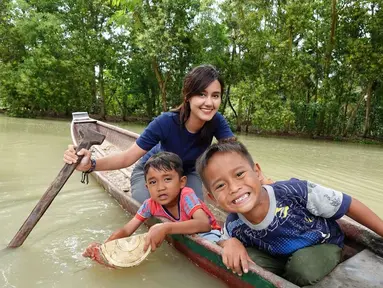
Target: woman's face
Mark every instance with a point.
(204, 106)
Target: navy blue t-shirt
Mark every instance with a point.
(165, 133)
(301, 214)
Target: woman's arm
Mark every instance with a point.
(120, 160)
(112, 162)
(362, 214)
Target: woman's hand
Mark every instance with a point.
(155, 236)
(70, 157)
(235, 256)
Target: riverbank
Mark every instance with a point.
(352, 139)
(112, 119)
(252, 130)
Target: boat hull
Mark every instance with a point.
(203, 253)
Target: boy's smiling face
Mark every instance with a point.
(164, 186)
(234, 183)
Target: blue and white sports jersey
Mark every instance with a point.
(301, 214)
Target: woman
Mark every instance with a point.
(187, 131)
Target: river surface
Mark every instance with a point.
(31, 155)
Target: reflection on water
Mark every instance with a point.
(31, 154)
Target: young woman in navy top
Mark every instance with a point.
(186, 131)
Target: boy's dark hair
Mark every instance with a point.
(164, 161)
(229, 146)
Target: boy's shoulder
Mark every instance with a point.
(232, 221)
(315, 198)
(188, 197)
(290, 182)
(292, 187)
(187, 191)
(149, 203)
(232, 217)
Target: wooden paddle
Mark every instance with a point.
(88, 138)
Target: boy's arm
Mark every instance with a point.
(362, 214)
(157, 233)
(199, 220)
(125, 231)
(142, 214)
(200, 223)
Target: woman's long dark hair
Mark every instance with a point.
(195, 82)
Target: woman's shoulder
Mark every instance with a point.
(218, 117)
(221, 124)
(168, 117)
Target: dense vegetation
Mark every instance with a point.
(312, 67)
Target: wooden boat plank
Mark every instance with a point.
(362, 270)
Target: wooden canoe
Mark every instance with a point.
(362, 262)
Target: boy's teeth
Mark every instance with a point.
(244, 196)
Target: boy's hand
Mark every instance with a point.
(235, 256)
(155, 236)
(93, 252)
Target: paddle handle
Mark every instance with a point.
(52, 191)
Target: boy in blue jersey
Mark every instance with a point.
(292, 224)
